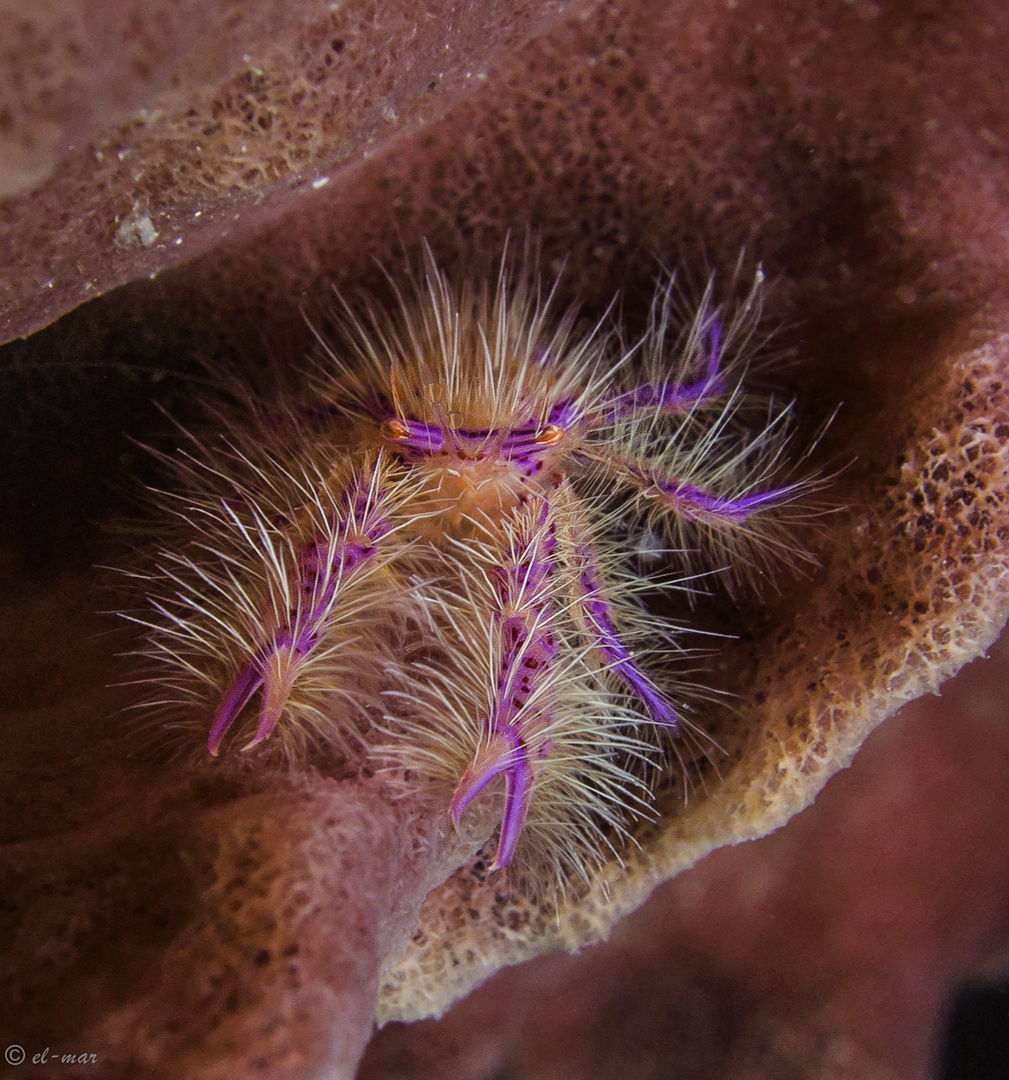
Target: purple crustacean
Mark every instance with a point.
(429, 560)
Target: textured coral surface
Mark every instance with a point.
(859, 152)
(827, 950)
(134, 135)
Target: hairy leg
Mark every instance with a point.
(692, 502)
(671, 398)
(596, 615)
(527, 647)
(310, 601)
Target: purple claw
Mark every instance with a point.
(324, 565)
(243, 686)
(528, 660)
(279, 671)
(518, 788)
(508, 755)
(473, 781)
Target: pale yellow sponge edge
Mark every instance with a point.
(917, 588)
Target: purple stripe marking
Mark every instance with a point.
(614, 651)
(518, 787)
(689, 498)
(420, 438)
(528, 655)
(519, 444)
(248, 680)
(676, 397)
(304, 628)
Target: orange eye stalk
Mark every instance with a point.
(551, 435)
(393, 429)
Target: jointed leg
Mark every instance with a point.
(676, 397)
(325, 568)
(520, 710)
(595, 611)
(691, 502)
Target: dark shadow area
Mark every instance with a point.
(976, 1040)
